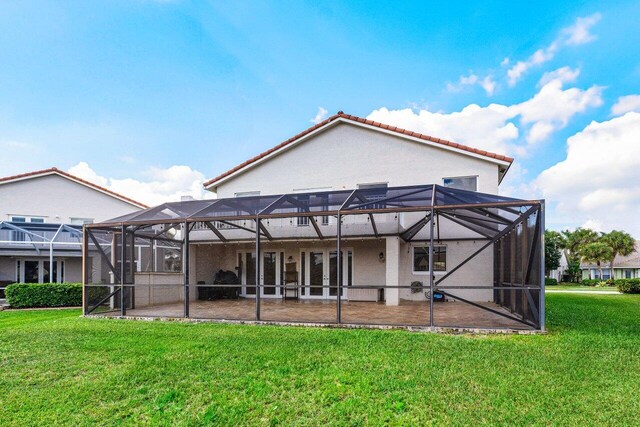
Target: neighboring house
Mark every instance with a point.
(624, 267)
(558, 273)
(384, 251)
(41, 218)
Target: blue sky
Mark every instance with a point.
(156, 95)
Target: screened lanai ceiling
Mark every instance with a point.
(485, 214)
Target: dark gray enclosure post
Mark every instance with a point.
(542, 283)
(85, 268)
(258, 268)
(185, 268)
(338, 268)
(123, 271)
(431, 227)
(132, 292)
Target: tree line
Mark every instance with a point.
(585, 245)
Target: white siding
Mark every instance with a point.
(58, 199)
(347, 155)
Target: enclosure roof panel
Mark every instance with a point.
(345, 202)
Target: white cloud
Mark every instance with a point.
(540, 56)
(320, 115)
(482, 127)
(564, 74)
(626, 104)
(578, 33)
(82, 170)
(159, 186)
(552, 107)
(493, 127)
(599, 182)
(487, 83)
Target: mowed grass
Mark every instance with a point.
(578, 287)
(59, 369)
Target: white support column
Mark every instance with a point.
(392, 260)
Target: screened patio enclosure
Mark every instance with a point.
(478, 263)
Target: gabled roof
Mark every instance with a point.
(56, 171)
(342, 117)
(621, 261)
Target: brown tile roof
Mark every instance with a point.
(359, 120)
(73, 177)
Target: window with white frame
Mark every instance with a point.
(304, 221)
(81, 221)
(38, 271)
(26, 218)
(606, 274)
(376, 191)
(246, 193)
(421, 259)
(469, 183)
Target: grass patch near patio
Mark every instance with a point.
(58, 368)
(579, 287)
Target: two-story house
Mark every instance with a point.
(41, 218)
(382, 216)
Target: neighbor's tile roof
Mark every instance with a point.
(359, 120)
(73, 177)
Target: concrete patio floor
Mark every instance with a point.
(408, 313)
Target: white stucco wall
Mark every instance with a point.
(347, 155)
(368, 270)
(57, 200)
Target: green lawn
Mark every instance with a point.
(578, 287)
(57, 368)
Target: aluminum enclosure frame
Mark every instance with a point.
(494, 219)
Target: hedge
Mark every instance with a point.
(628, 286)
(598, 282)
(550, 281)
(25, 295)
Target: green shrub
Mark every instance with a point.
(628, 286)
(589, 282)
(550, 281)
(24, 295)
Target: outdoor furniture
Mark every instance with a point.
(210, 293)
(291, 288)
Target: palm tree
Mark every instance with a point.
(596, 253)
(620, 242)
(573, 243)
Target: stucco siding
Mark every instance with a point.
(58, 199)
(368, 270)
(346, 155)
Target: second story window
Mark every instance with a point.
(375, 192)
(81, 221)
(247, 193)
(469, 183)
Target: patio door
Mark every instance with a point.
(271, 267)
(318, 272)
